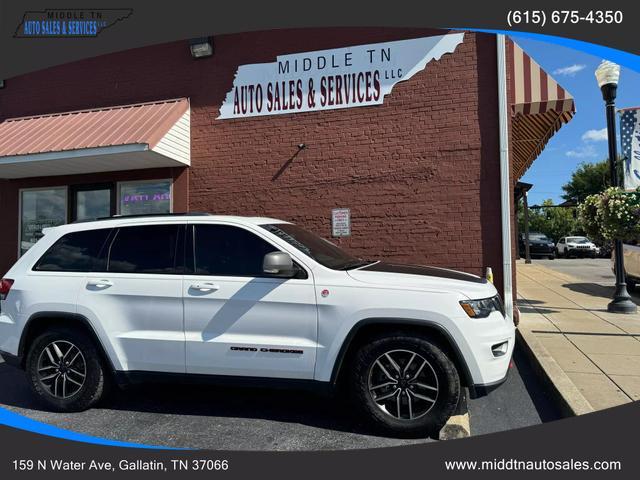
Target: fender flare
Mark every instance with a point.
(346, 345)
(65, 316)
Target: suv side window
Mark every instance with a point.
(229, 251)
(75, 252)
(561, 240)
(146, 249)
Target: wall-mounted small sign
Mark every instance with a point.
(340, 222)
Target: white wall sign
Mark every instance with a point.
(329, 79)
(340, 222)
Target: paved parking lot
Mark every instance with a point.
(252, 419)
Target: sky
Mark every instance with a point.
(583, 139)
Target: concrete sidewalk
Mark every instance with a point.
(591, 356)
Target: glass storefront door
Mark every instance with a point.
(92, 202)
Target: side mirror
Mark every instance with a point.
(278, 263)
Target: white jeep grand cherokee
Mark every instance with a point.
(126, 299)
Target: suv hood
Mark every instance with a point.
(418, 276)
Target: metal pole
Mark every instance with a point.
(527, 245)
(516, 206)
(621, 302)
(505, 182)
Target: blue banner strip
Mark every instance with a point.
(15, 420)
(620, 57)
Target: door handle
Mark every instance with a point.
(205, 286)
(101, 283)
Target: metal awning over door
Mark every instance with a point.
(126, 137)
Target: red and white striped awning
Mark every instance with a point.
(539, 105)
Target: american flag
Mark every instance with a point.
(630, 140)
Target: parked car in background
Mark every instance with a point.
(605, 250)
(576, 247)
(253, 299)
(539, 245)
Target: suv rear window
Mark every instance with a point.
(146, 249)
(75, 252)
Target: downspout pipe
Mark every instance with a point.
(505, 182)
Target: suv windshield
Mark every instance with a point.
(538, 237)
(321, 250)
(577, 240)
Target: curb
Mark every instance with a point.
(564, 392)
(458, 425)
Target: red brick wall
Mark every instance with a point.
(420, 173)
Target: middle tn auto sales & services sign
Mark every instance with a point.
(329, 79)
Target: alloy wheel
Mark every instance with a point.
(62, 369)
(403, 384)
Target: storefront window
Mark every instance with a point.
(139, 198)
(93, 204)
(40, 209)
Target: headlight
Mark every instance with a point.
(482, 308)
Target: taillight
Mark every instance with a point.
(5, 286)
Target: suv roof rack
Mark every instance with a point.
(143, 215)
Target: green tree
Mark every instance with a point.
(554, 222)
(588, 179)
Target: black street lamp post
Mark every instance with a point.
(608, 74)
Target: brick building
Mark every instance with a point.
(420, 172)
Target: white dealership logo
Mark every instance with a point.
(329, 79)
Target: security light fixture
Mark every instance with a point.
(1, 83)
(607, 73)
(201, 47)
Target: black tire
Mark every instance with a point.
(94, 384)
(448, 383)
(552, 256)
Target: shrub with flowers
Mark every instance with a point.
(612, 214)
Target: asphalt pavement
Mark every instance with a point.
(260, 419)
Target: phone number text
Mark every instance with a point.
(541, 17)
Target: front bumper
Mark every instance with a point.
(477, 338)
(483, 389)
(582, 252)
(541, 250)
(538, 250)
(11, 360)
